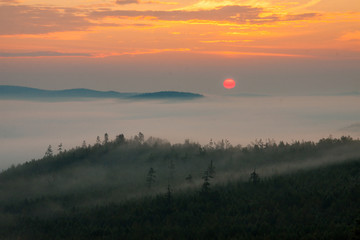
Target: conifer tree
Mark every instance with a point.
(139, 138)
(169, 194)
(254, 177)
(98, 141)
(206, 185)
(189, 178)
(171, 167)
(49, 151)
(60, 148)
(106, 138)
(120, 139)
(150, 179)
(211, 169)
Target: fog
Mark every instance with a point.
(28, 127)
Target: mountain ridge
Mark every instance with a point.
(20, 92)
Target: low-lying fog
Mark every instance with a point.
(28, 127)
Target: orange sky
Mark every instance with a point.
(232, 28)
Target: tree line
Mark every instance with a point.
(137, 187)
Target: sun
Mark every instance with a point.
(229, 83)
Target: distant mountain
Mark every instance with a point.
(18, 92)
(167, 95)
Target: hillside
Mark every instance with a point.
(24, 93)
(302, 190)
(319, 204)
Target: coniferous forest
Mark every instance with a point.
(147, 188)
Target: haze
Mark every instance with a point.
(28, 127)
(304, 53)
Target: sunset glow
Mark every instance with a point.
(194, 32)
(139, 113)
(107, 28)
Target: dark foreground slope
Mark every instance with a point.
(317, 203)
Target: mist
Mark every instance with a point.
(28, 127)
(117, 170)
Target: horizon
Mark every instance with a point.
(295, 66)
(239, 94)
(268, 47)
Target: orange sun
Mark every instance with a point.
(229, 83)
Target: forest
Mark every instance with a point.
(148, 188)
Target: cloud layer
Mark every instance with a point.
(123, 2)
(23, 19)
(43, 54)
(235, 14)
(120, 27)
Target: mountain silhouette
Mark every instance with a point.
(19, 92)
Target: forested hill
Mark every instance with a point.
(137, 188)
(18, 92)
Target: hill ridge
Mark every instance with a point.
(21, 92)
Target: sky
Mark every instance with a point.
(267, 46)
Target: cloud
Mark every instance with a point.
(350, 36)
(300, 17)
(123, 2)
(228, 13)
(264, 54)
(236, 14)
(306, 5)
(23, 19)
(160, 2)
(37, 20)
(43, 54)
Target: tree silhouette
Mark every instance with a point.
(254, 177)
(98, 141)
(169, 194)
(60, 148)
(120, 139)
(49, 152)
(189, 178)
(206, 185)
(211, 169)
(208, 174)
(151, 177)
(171, 168)
(139, 138)
(106, 138)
